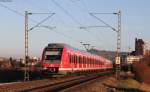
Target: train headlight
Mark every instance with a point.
(45, 68)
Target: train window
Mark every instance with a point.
(79, 59)
(86, 60)
(96, 61)
(69, 57)
(91, 62)
(76, 59)
(73, 59)
(83, 60)
(53, 54)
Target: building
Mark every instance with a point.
(132, 59)
(141, 47)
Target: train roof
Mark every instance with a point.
(59, 45)
(62, 45)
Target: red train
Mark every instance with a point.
(62, 59)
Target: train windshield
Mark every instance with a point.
(53, 54)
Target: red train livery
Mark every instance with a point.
(62, 59)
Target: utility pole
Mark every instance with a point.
(118, 56)
(26, 58)
(129, 59)
(118, 31)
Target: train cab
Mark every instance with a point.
(51, 59)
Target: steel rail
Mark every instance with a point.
(64, 85)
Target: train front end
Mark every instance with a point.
(51, 58)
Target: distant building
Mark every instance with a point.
(132, 59)
(141, 47)
(3, 59)
(4, 63)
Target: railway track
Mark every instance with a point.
(24, 86)
(60, 86)
(66, 84)
(48, 85)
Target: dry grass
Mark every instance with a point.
(99, 86)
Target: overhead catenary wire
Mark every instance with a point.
(86, 9)
(65, 11)
(42, 21)
(76, 21)
(86, 28)
(47, 27)
(60, 33)
(16, 12)
(12, 10)
(20, 14)
(107, 25)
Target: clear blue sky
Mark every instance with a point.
(69, 16)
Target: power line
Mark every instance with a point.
(66, 12)
(12, 10)
(86, 28)
(15, 11)
(107, 25)
(62, 34)
(42, 20)
(20, 14)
